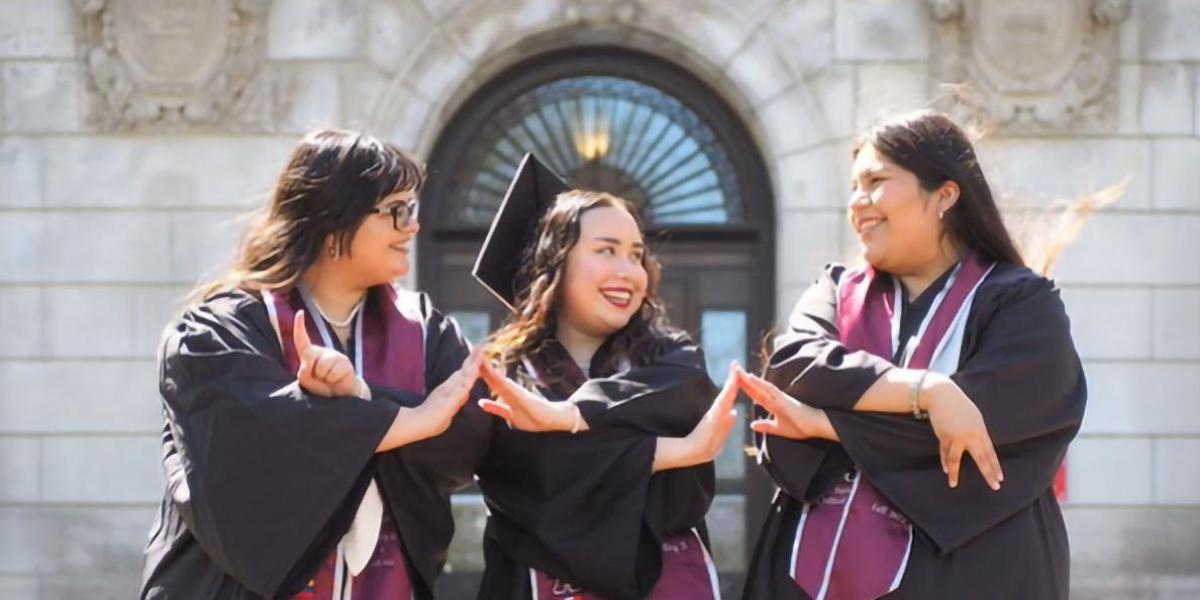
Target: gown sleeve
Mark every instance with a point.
(677, 376)
(418, 479)
(650, 400)
(586, 506)
(810, 364)
(258, 469)
(1020, 368)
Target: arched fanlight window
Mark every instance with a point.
(605, 133)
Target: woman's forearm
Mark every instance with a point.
(672, 453)
(403, 431)
(892, 392)
(825, 429)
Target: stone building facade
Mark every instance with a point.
(134, 133)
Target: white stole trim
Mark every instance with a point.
(339, 573)
(713, 582)
(837, 538)
(898, 308)
(357, 546)
(946, 355)
(904, 563)
(799, 534)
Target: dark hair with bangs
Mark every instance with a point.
(333, 180)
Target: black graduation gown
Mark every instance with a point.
(263, 479)
(1019, 366)
(586, 507)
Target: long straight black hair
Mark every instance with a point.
(936, 150)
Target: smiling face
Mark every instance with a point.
(897, 221)
(605, 280)
(379, 253)
(586, 280)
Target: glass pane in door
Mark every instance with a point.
(723, 337)
(475, 325)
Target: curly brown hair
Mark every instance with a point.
(543, 268)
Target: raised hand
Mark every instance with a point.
(323, 371)
(710, 433)
(788, 417)
(446, 399)
(523, 409)
(704, 443)
(434, 415)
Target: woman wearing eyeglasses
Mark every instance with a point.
(312, 427)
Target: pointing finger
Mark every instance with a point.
(300, 334)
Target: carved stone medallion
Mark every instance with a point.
(1029, 65)
(172, 62)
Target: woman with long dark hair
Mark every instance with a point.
(916, 409)
(312, 428)
(600, 474)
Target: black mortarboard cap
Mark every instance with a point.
(531, 192)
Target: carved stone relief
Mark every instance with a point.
(1029, 65)
(172, 64)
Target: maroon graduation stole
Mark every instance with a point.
(389, 351)
(853, 544)
(688, 571)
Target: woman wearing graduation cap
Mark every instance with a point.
(943, 346)
(313, 432)
(598, 477)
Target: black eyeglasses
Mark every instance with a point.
(403, 213)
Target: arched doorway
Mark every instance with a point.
(641, 127)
